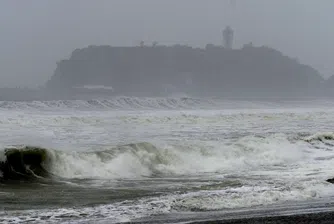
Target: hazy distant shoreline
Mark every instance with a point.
(161, 71)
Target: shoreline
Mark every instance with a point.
(318, 217)
(319, 211)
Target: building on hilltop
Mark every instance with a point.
(228, 35)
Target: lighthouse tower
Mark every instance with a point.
(228, 35)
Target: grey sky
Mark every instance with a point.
(37, 33)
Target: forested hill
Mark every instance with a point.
(209, 71)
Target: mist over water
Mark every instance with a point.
(165, 111)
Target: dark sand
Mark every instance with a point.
(304, 212)
(321, 217)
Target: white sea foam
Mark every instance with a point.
(277, 155)
(135, 103)
(250, 153)
(114, 103)
(125, 211)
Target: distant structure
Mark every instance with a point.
(154, 44)
(228, 35)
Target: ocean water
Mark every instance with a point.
(126, 159)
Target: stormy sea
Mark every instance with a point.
(164, 160)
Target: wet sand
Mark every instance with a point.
(319, 217)
(303, 212)
(322, 217)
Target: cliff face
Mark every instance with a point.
(213, 71)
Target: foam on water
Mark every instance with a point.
(114, 103)
(276, 155)
(125, 211)
(135, 103)
(144, 159)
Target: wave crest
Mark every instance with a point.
(144, 159)
(127, 161)
(25, 163)
(115, 103)
(320, 137)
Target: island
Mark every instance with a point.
(163, 70)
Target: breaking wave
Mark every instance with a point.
(115, 103)
(25, 163)
(322, 137)
(146, 160)
(31, 163)
(135, 103)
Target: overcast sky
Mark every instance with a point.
(35, 34)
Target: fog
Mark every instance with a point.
(36, 34)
